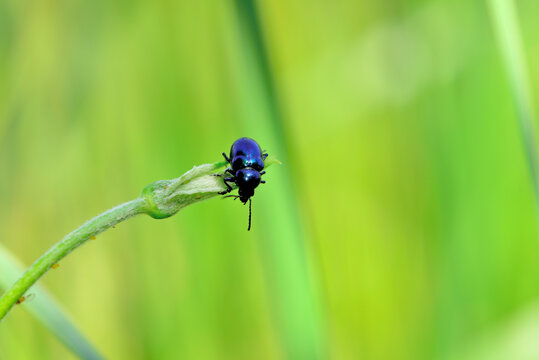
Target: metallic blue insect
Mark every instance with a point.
(246, 164)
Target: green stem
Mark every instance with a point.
(160, 200)
(76, 238)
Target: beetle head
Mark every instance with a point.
(247, 180)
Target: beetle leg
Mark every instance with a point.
(262, 172)
(228, 170)
(262, 181)
(226, 158)
(229, 188)
(264, 156)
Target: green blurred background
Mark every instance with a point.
(401, 225)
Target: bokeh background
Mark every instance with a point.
(401, 224)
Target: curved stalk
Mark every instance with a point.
(160, 200)
(76, 238)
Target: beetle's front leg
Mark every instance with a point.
(229, 188)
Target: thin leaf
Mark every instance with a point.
(46, 310)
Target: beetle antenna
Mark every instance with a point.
(249, 228)
(234, 196)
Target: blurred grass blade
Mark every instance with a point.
(291, 281)
(46, 310)
(505, 21)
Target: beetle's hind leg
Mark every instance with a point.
(264, 156)
(229, 188)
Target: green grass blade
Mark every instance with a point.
(292, 283)
(505, 21)
(46, 310)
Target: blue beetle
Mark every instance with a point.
(246, 167)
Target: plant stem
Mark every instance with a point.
(160, 199)
(47, 311)
(76, 238)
